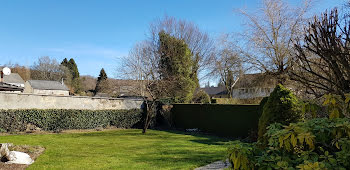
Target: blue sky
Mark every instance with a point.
(96, 32)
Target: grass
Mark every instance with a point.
(122, 149)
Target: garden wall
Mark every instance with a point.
(34, 101)
(222, 120)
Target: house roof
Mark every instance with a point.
(13, 78)
(214, 90)
(47, 85)
(9, 87)
(256, 80)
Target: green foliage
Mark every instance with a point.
(262, 104)
(102, 84)
(201, 97)
(263, 101)
(310, 108)
(337, 106)
(74, 68)
(319, 143)
(176, 67)
(55, 119)
(75, 79)
(240, 155)
(237, 101)
(102, 76)
(281, 107)
(64, 62)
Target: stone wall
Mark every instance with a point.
(35, 101)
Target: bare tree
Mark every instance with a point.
(227, 65)
(142, 65)
(88, 84)
(47, 69)
(198, 41)
(323, 64)
(23, 71)
(270, 33)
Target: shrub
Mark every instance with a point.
(319, 143)
(255, 100)
(262, 104)
(201, 97)
(54, 119)
(281, 107)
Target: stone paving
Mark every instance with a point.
(215, 165)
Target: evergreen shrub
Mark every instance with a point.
(281, 107)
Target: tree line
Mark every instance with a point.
(47, 68)
(280, 40)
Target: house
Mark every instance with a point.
(46, 87)
(216, 92)
(14, 79)
(250, 86)
(10, 88)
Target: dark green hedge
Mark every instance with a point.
(222, 120)
(56, 119)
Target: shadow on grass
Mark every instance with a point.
(205, 137)
(179, 157)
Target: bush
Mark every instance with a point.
(319, 143)
(201, 97)
(54, 119)
(255, 100)
(262, 104)
(281, 107)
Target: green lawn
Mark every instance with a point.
(122, 149)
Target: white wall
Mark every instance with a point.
(34, 101)
(250, 93)
(52, 92)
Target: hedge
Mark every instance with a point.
(61, 119)
(237, 101)
(222, 120)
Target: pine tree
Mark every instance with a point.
(65, 62)
(102, 76)
(102, 84)
(75, 78)
(74, 68)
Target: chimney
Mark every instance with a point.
(62, 82)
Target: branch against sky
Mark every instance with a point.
(323, 61)
(269, 35)
(227, 64)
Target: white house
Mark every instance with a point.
(251, 86)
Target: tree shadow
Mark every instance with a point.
(206, 138)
